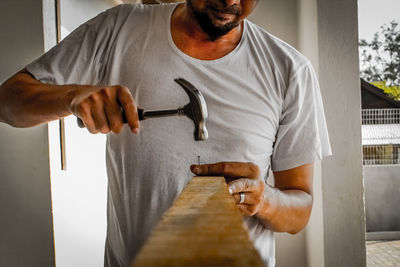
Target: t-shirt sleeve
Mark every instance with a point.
(302, 135)
(80, 58)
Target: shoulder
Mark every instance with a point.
(137, 14)
(283, 55)
(124, 11)
(127, 16)
(137, 9)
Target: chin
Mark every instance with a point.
(223, 25)
(214, 24)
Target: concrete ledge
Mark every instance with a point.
(389, 235)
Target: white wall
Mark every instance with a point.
(278, 18)
(342, 184)
(382, 198)
(26, 226)
(308, 45)
(307, 27)
(76, 12)
(80, 193)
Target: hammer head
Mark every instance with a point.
(196, 109)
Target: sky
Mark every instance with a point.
(374, 13)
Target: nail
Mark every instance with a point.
(230, 191)
(196, 170)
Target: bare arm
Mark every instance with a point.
(283, 208)
(287, 207)
(27, 102)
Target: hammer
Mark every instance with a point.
(196, 110)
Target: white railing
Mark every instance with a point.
(381, 116)
(381, 154)
(381, 151)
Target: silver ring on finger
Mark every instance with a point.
(242, 197)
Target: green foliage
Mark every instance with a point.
(380, 58)
(392, 91)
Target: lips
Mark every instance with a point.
(223, 14)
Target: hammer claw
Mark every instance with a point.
(196, 109)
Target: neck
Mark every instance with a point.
(190, 38)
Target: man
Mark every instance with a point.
(262, 96)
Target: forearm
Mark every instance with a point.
(26, 102)
(285, 210)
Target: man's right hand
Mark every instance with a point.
(102, 109)
(27, 102)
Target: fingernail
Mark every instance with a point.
(135, 130)
(196, 170)
(230, 190)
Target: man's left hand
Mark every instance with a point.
(242, 178)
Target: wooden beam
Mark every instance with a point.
(204, 227)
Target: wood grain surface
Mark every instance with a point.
(203, 228)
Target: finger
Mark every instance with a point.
(231, 169)
(128, 105)
(114, 116)
(244, 185)
(89, 123)
(99, 117)
(247, 210)
(84, 113)
(249, 198)
(236, 198)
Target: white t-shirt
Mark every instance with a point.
(263, 102)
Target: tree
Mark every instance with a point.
(380, 59)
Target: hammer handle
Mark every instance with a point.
(145, 114)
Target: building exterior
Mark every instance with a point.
(381, 162)
(373, 97)
(380, 126)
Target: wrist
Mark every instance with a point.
(75, 93)
(69, 95)
(266, 210)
